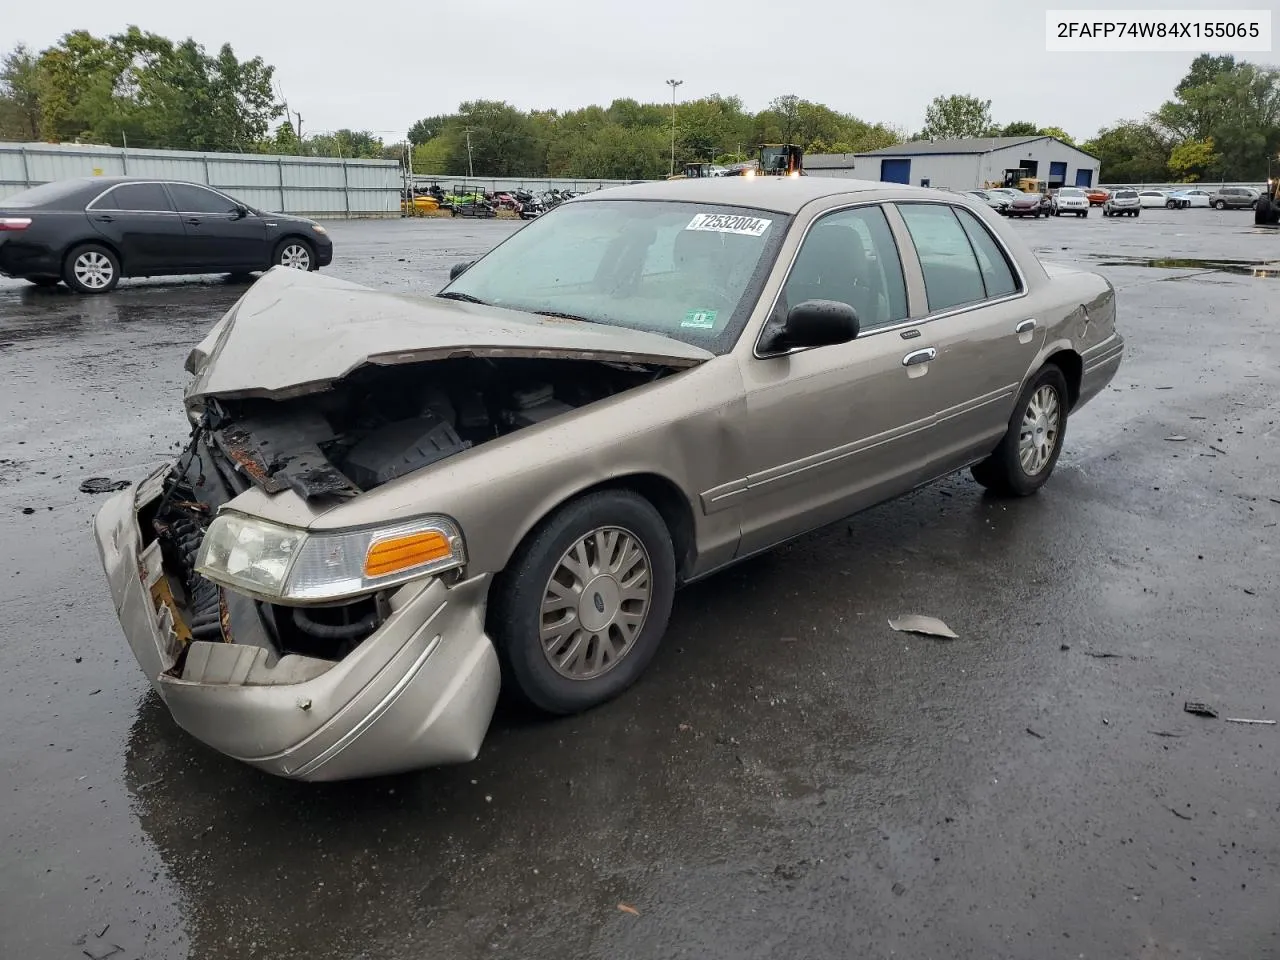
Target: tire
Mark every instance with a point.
(91, 268)
(1084, 213)
(516, 612)
(1137, 213)
(45, 282)
(1004, 473)
(1220, 204)
(1262, 212)
(1253, 205)
(296, 253)
(1170, 204)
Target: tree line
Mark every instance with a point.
(144, 90)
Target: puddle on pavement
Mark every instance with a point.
(1244, 268)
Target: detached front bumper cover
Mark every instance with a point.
(419, 691)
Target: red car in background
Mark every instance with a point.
(1097, 196)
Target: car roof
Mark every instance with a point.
(779, 194)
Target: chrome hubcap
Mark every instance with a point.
(296, 257)
(595, 603)
(93, 270)
(1039, 436)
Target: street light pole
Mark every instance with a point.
(673, 84)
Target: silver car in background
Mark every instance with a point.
(1124, 202)
(390, 504)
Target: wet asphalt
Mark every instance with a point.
(791, 778)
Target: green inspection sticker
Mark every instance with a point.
(700, 319)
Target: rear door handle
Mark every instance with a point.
(919, 356)
(1025, 326)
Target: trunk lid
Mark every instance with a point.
(295, 333)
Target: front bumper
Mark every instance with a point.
(419, 691)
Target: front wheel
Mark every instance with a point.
(1084, 213)
(1220, 205)
(91, 268)
(296, 254)
(582, 607)
(1025, 458)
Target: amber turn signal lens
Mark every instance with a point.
(403, 553)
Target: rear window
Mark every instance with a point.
(45, 194)
(1125, 194)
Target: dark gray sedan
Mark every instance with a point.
(89, 232)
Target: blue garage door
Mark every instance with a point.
(1084, 178)
(895, 171)
(1057, 174)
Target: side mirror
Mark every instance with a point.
(816, 323)
(241, 211)
(458, 269)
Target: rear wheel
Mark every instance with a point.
(582, 607)
(1025, 458)
(296, 254)
(91, 268)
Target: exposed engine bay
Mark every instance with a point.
(377, 424)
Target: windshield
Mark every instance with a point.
(1070, 192)
(685, 270)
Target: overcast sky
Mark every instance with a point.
(381, 66)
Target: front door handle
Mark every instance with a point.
(919, 356)
(106, 219)
(195, 221)
(1026, 326)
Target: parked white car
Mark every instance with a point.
(1070, 200)
(1194, 198)
(1160, 198)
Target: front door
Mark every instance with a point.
(141, 223)
(833, 429)
(218, 236)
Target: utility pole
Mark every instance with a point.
(673, 84)
(298, 134)
(471, 171)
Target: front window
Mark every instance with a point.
(685, 270)
(190, 198)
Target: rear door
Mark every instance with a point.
(978, 340)
(140, 222)
(218, 237)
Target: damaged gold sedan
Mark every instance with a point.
(389, 505)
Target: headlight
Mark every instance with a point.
(276, 562)
(318, 229)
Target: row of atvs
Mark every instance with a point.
(480, 204)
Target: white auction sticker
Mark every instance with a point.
(727, 223)
(1157, 31)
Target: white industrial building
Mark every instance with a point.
(963, 164)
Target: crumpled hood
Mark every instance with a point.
(294, 333)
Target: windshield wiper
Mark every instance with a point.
(464, 297)
(563, 316)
